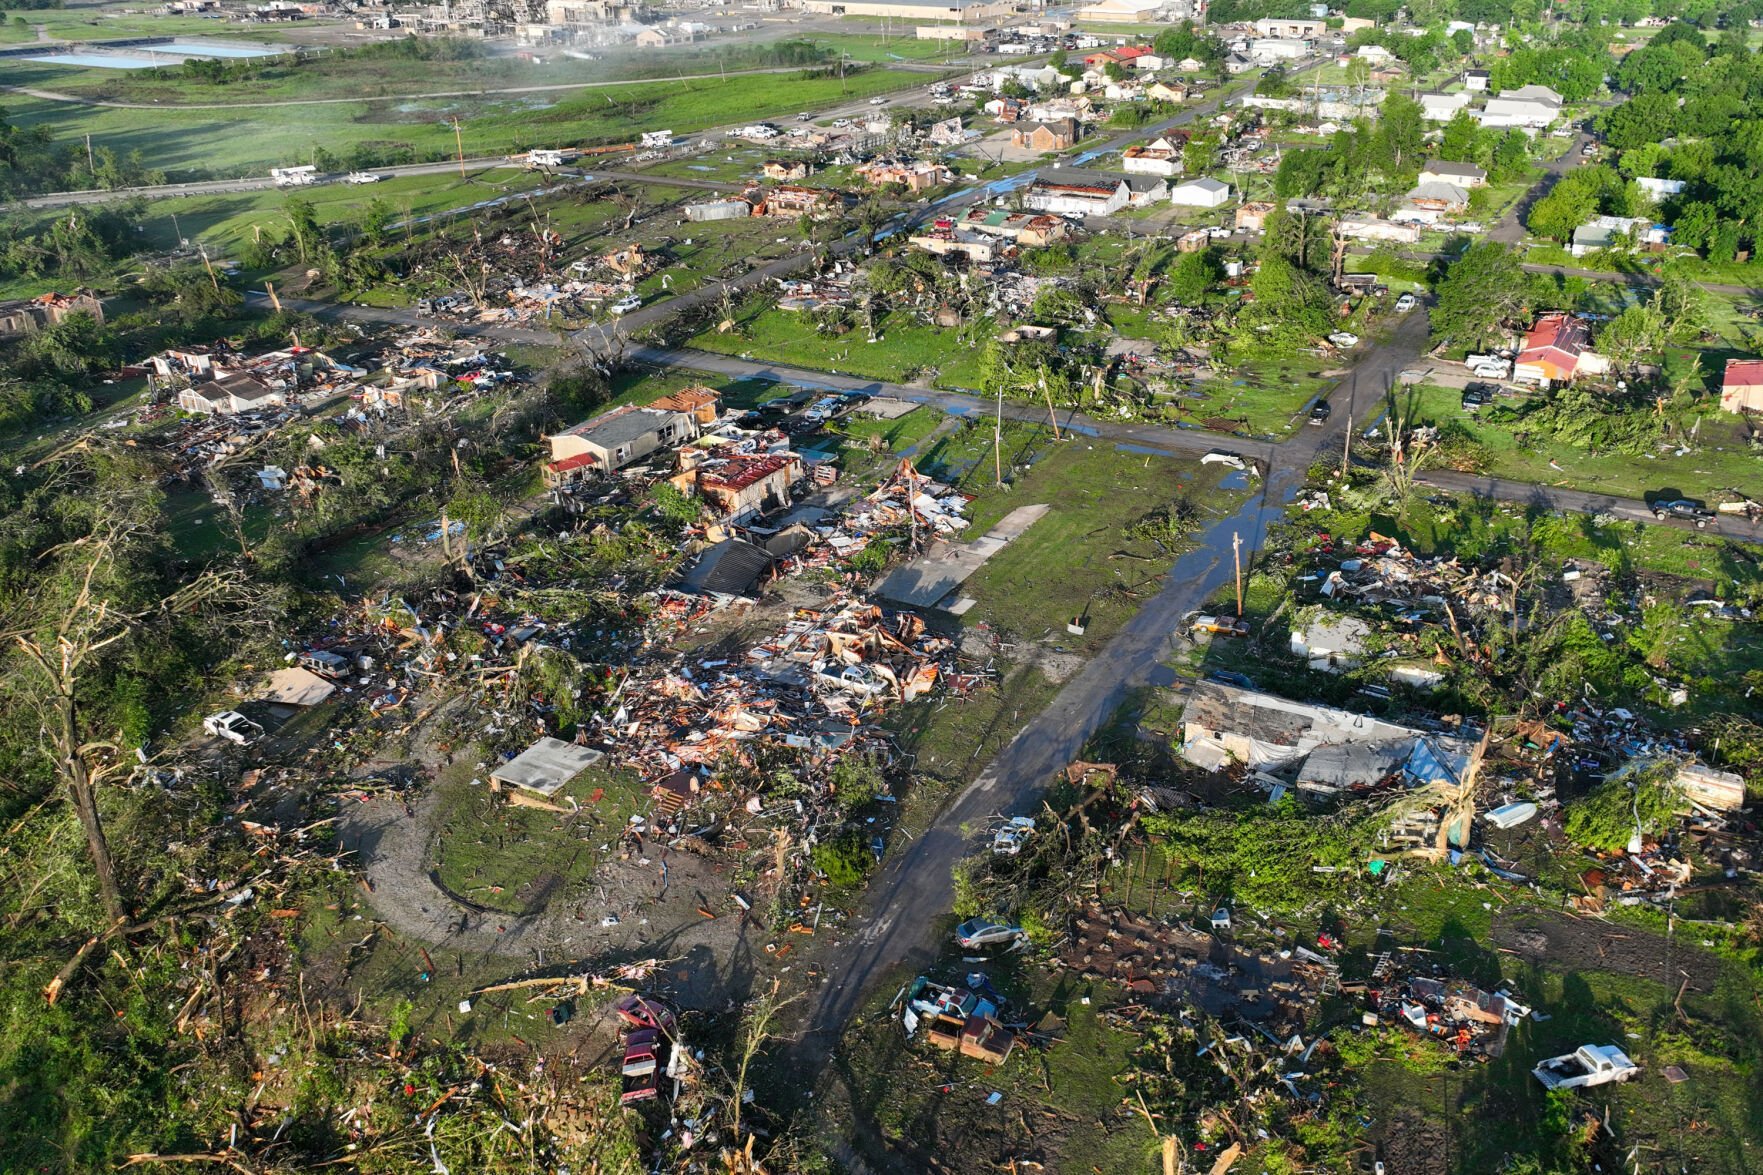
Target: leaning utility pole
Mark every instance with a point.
(1236, 551)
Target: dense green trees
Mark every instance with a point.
(1477, 293)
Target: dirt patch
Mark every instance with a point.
(1583, 944)
(1414, 1145)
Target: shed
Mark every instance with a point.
(545, 767)
(730, 568)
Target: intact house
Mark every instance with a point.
(237, 392)
(1475, 79)
(1031, 230)
(1558, 349)
(1055, 135)
(1162, 157)
(1442, 107)
(738, 486)
(1528, 108)
(1166, 92)
(786, 169)
(27, 315)
(1274, 50)
(1092, 193)
(1204, 192)
(1296, 27)
(614, 439)
(914, 177)
(1462, 175)
(1605, 232)
(1321, 750)
(1658, 189)
(1741, 388)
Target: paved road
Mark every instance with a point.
(1510, 229)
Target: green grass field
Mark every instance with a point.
(907, 347)
(194, 143)
(1722, 458)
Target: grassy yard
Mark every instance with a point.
(513, 860)
(189, 142)
(907, 348)
(1266, 397)
(1722, 457)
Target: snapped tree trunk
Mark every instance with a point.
(85, 802)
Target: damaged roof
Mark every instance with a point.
(729, 568)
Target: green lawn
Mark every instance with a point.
(906, 348)
(198, 143)
(1722, 457)
(1264, 398)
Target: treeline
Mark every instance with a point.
(31, 161)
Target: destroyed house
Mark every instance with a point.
(1556, 349)
(1091, 193)
(728, 570)
(796, 200)
(236, 392)
(1162, 157)
(1741, 386)
(27, 315)
(739, 486)
(913, 176)
(702, 402)
(1025, 228)
(1325, 751)
(616, 439)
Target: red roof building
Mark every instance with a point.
(1556, 349)
(1741, 389)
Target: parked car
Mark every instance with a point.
(327, 664)
(1009, 838)
(1344, 338)
(626, 304)
(1405, 303)
(1683, 508)
(855, 679)
(1231, 677)
(804, 117)
(878, 100)
(1587, 1065)
(233, 726)
(1319, 412)
(362, 177)
(980, 932)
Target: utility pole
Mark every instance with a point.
(459, 145)
(90, 166)
(1347, 437)
(1236, 551)
(998, 442)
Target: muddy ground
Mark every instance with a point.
(1566, 944)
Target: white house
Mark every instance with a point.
(1161, 157)
(1462, 175)
(1658, 189)
(1273, 50)
(1528, 107)
(1204, 192)
(1475, 79)
(1443, 107)
(235, 392)
(1367, 228)
(1086, 193)
(1293, 27)
(1604, 232)
(1375, 55)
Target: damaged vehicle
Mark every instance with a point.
(982, 932)
(232, 726)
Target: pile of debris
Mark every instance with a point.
(958, 1019)
(812, 685)
(1471, 1021)
(1172, 965)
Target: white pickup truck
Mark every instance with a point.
(1587, 1065)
